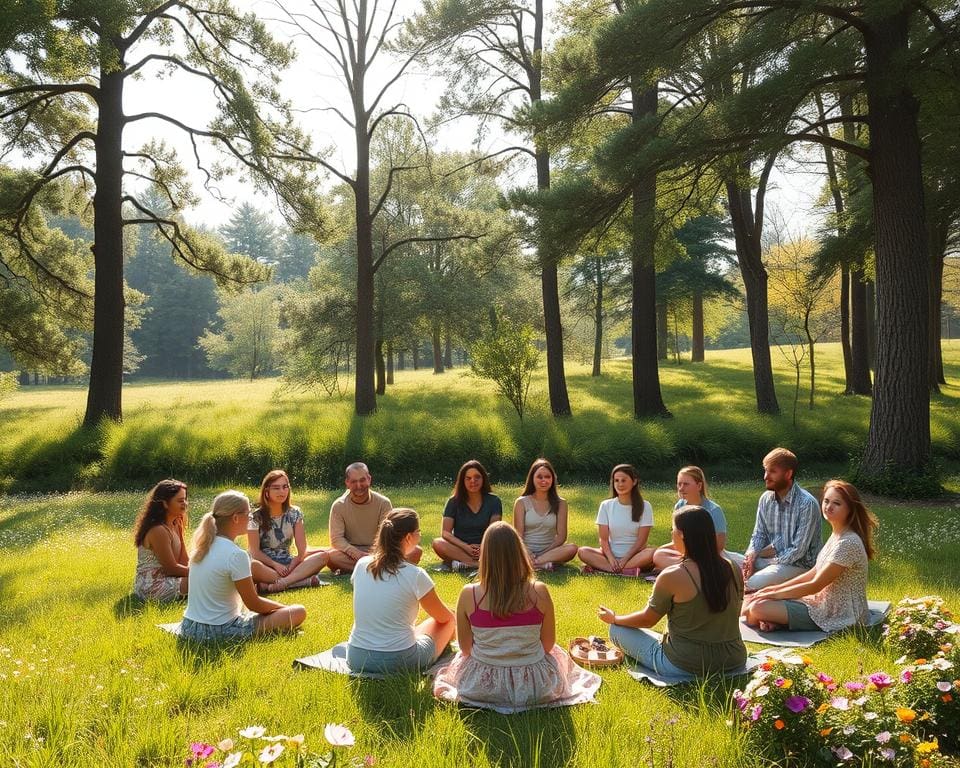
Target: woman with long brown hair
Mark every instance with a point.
(162, 560)
(833, 594)
(275, 523)
(506, 629)
(540, 518)
(388, 593)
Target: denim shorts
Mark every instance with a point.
(798, 616)
(242, 627)
(418, 656)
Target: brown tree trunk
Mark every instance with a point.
(437, 344)
(106, 364)
(845, 329)
(937, 243)
(663, 334)
(899, 437)
(647, 398)
(747, 232)
(390, 363)
(415, 354)
(401, 360)
(381, 368)
(860, 331)
(870, 303)
(598, 319)
(447, 349)
(696, 351)
(365, 398)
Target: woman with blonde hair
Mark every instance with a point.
(508, 657)
(540, 517)
(388, 593)
(275, 523)
(162, 561)
(221, 581)
(833, 594)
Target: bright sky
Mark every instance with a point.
(312, 84)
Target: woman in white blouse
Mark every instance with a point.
(833, 594)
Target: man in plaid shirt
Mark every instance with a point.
(786, 536)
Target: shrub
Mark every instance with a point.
(918, 627)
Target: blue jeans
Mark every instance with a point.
(644, 646)
(417, 657)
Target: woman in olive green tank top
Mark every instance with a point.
(702, 595)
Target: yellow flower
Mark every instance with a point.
(807, 660)
(823, 708)
(928, 746)
(787, 683)
(906, 715)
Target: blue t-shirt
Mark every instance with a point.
(470, 526)
(716, 514)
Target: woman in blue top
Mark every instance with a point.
(468, 513)
(692, 491)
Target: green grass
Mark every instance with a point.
(87, 680)
(233, 431)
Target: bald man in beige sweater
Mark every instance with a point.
(354, 519)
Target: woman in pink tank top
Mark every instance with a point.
(508, 659)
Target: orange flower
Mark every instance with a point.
(766, 666)
(920, 661)
(779, 724)
(823, 708)
(946, 698)
(905, 738)
(925, 763)
(906, 715)
(806, 660)
(826, 732)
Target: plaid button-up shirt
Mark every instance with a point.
(790, 525)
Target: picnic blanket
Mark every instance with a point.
(787, 639)
(173, 629)
(335, 660)
(640, 673)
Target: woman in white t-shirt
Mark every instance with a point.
(833, 594)
(623, 522)
(221, 581)
(388, 593)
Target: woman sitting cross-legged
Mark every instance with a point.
(221, 583)
(468, 512)
(388, 593)
(508, 658)
(540, 517)
(274, 525)
(701, 596)
(833, 594)
(162, 562)
(624, 522)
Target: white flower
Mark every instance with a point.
(338, 735)
(253, 732)
(941, 663)
(276, 738)
(843, 753)
(943, 686)
(231, 760)
(763, 690)
(270, 753)
(226, 745)
(295, 741)
(841, 703)
(870, 715)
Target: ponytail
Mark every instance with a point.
(225, 506)
(388, 545)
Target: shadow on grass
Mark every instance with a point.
(543, 737)
(54, 462)
(399, 704)
(129, 606)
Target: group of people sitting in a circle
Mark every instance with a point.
(504, 623)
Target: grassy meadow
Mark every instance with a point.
(87, 680)
(228, 432)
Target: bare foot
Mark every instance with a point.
(768, 626)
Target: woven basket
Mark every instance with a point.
(583, 652)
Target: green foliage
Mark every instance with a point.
(245, 344)
(8, 384)
(506, 356)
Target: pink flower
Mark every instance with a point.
(840, 702)
(881, 680)
(906, 676)
(943, 686)
(843, 753)
(369, 760)
(755, 712)
(740, 700)
(779, 682)
(797, 704)
(338, 735)
(888, 754)
(854, 686)
(825, 679)
(201, 750)
(883, 737)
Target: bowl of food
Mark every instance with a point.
(595, 651)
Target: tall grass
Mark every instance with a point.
(87, 680)
(427, 425)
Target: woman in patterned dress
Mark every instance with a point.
(274, 525)
(162, 561)
(833, 594)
